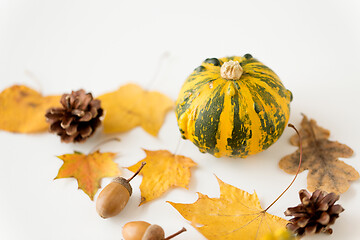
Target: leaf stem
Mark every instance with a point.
(164, 56)
(103, 142)
(137, 172)
(34, 78)
(178, 146)
(297, 172)
(175, 234)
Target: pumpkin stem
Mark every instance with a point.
(231, 70)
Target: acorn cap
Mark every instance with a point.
(154, 232)
(123, 182)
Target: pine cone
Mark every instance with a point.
(315, 214)
(77, 119)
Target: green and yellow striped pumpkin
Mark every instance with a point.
(236, 117)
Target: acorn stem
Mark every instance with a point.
(297, 172)
(175, 234)
(137, 172)
(103, 142)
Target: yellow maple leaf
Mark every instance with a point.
(88, 169)
(22, 109)
(163, 171)
(131, 106)
(235, 215)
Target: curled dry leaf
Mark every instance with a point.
(320, 157)
(88, 169)
(235, 215)
(131, 106)
(163, 171)
(22, 109)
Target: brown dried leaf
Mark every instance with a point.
(320, 157)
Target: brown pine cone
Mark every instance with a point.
(77, 119)
(315, 214)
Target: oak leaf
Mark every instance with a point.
(163, 171)
(320, 157)
(235, 215)
(131, 106)
(22, 109)
(88, 169)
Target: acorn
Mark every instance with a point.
(114, 197)
(134, 230)
(140, 230)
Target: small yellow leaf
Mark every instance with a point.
(131, 106)
(280, 234)
(163, 171)
(235, 215)
(88, 169)
(23, 109)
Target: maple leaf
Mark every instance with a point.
(163, 171)
(88, 169)
(235, 215)
(22, 109)
(320, 157)
(131, 106)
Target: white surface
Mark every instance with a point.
(99, 45)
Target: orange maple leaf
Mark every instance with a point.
(163, 171)
(22, 109)
(88, 169)
(235, 215)
(131, 106)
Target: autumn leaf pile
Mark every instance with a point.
(236, 214)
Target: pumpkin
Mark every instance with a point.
(233, 106)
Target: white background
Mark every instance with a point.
(99, 45)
